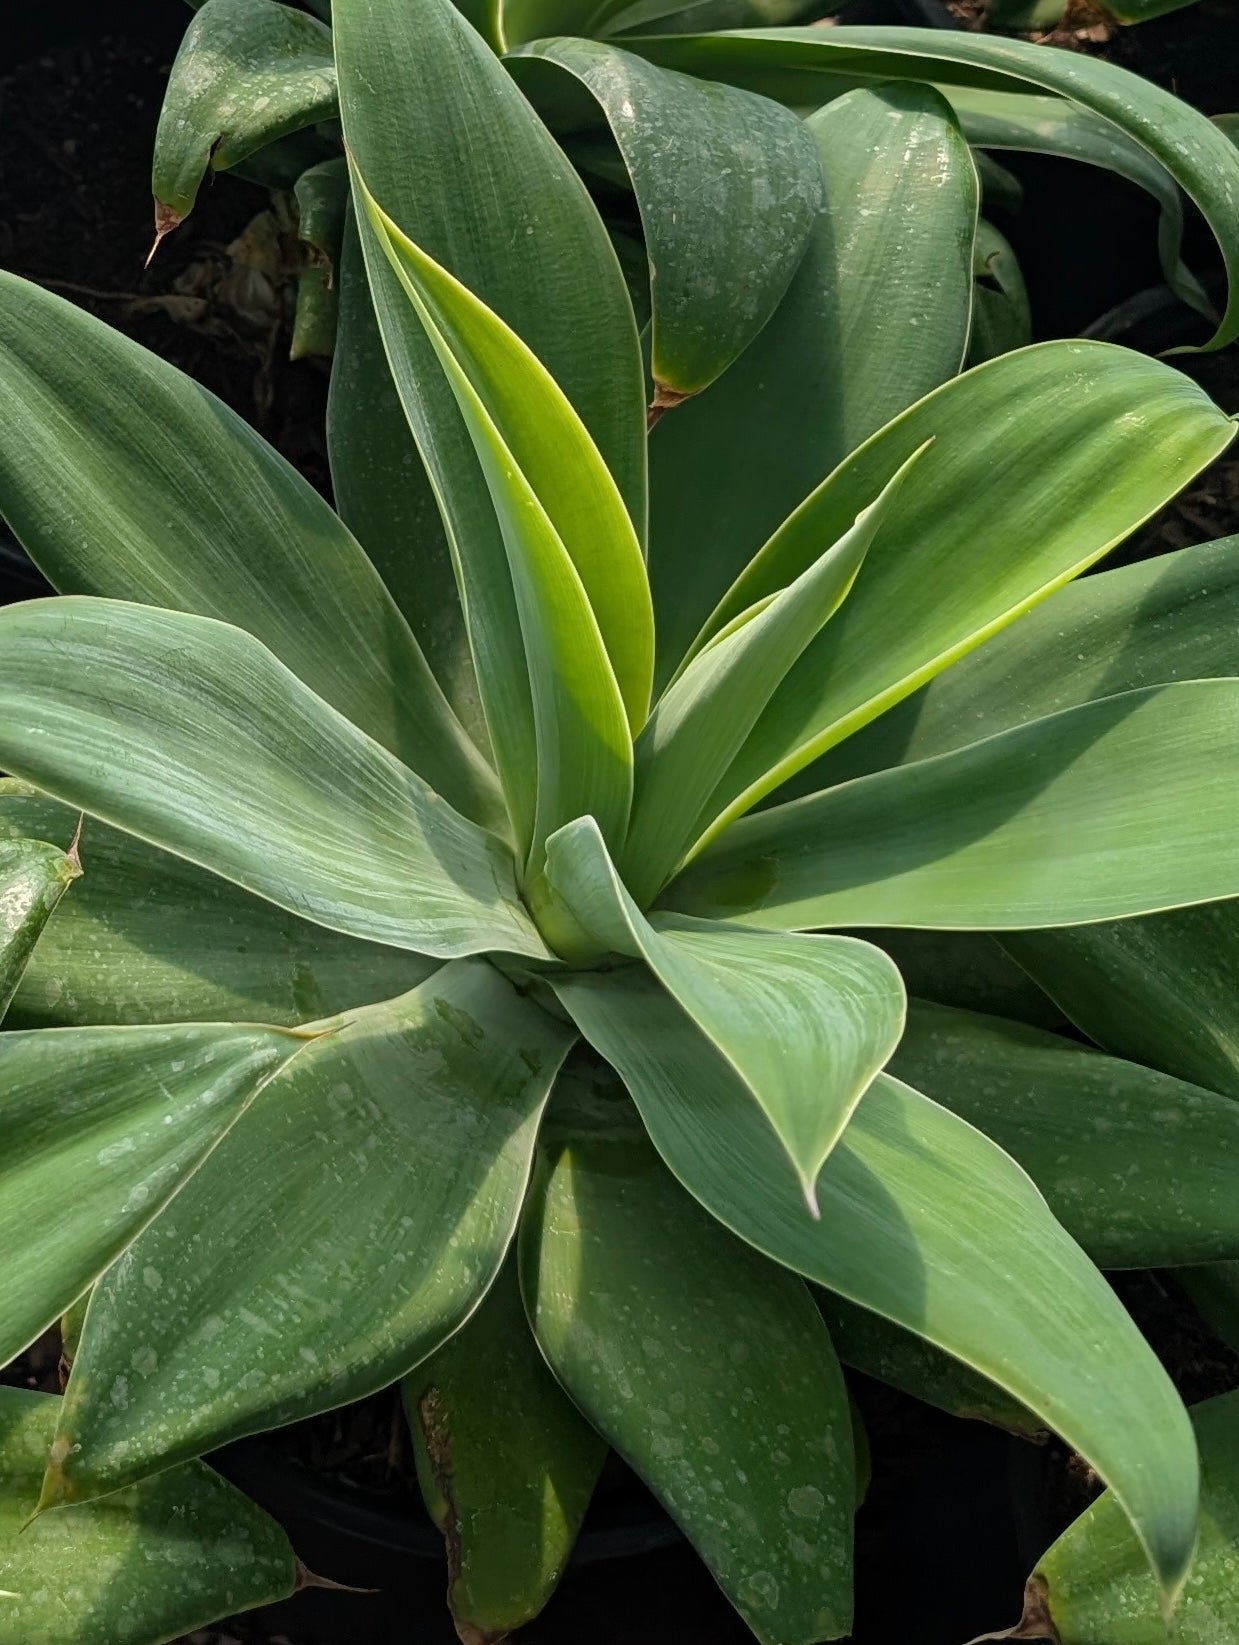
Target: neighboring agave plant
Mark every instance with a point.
(459, 982)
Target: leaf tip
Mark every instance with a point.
(166, 219)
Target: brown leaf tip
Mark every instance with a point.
(166, 219)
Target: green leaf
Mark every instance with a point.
(1174, 617)
(1137, 1166)
(192, 735)
(1053, 823)
(1049, 125)
(149, 938)
(581, 714)
(1001, 320)
(1092, 1587)
(321, 194)
(34, 876)
(804, 1023)
(841, 355)
(506, 1464)
(190, 509)
(701, 721)
(385, 496)
(708, 1370)
(512, 222)
(153, 1563)
(247, 73)
(927, 1222)
(869, 1343)
(102, 1125)
(738, 188)
(339, 1234)
(968, 969)
(514, 407)
(1214, 1290)
(1025, 14)
(806, 67)
(1163, 991)
(976, 537)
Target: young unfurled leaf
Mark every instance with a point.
(152, 1563)
(506, 1464)
(708, 1370)
(342, 1230)
(926, 1221)
(805, 1023)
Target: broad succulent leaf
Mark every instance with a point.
(506, 1464)
(104, 1125)
(752, 1431)
(1136, 1165)
(150, 1564)
(804, 1023)
(806, 67)
(974, 538)
(538, 256)
(1001, 318)
(970, 970)
(34, 876)
(230, 761)
(147, 937)
(839, 357)
(347, 1226)
(248, 72)
(925, 1221)
(738, 188)
(1049, 824)
(1093, 1588)
(189, 508)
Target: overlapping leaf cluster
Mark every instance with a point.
(463, 974)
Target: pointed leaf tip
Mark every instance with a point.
(166, 219)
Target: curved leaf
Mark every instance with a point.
(927, 1222)
(33, 878)
(977, 535)
(247, 73)
(149, 938)
(1117, 807)
(191, 734)
(1092, 1587)
(1137, 1166)
(806, 67)
(803, 1022)
(190, 509)
(1001, 320)
(707, 1369)
(103, 1125)
(341, 1232)
(970, 970)
(840, 356)
(737, 187)
(157, 1562)
(506, 1463)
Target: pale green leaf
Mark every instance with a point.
(925, 1221)
(101, 1126)
(189, 509)
(723, 180)
(149, 1565)
(247, 73)
(1137, 1166)
(706, 1368)
(841, 355)
(1120, 806)
(804, 1023)
(806, 67)
(976, 536)
(345, 1227)
(506, 1463)
(147, 937)
(192, 735)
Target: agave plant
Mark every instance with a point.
(459, 989)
